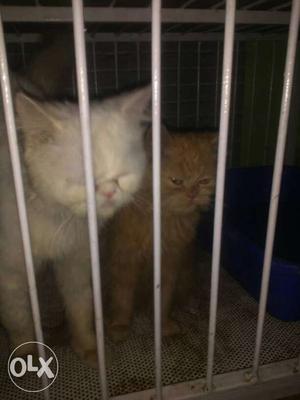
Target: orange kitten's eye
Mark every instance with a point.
(204, 181)
(176, 181)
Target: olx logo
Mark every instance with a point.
(33, 375)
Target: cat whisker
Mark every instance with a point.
(61, 228)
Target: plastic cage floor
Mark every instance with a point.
(184, 357)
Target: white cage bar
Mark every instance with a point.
(156, 121)
(134, 14)
(84, 108)
(234, 101)
(277, 174)
(221, 166)
(198, 83)
(20, 197)
(252, 104)
(95, 68)
(217, 85)
(266, 145)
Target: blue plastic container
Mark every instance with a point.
(245, 219)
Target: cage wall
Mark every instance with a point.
(191, 85)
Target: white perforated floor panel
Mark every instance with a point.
(184, 357)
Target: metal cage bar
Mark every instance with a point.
(84, 108)
(20, 197)
(146, 37)
(234, 101)
(221, 165)
(23, 54)
(95, 67)
(217, 86)
(266, 145)
(253, 92)
(142, 14)
(277, 380)
(198, 83)
(277, 174)
(178, 78)
(138, 61)
(116, 61)
(156, 121)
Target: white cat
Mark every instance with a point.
(51, 156)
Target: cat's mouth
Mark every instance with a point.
(108, 203)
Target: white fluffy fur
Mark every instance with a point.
(55, 194)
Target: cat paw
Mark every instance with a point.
(118, 333)
(89, 356)
(86, 349)
(170, 328)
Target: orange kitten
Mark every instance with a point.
(187, 183)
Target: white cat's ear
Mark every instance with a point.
(136, 103)
(35, 117)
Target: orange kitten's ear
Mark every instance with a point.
(137, 102)
(165, 134)
(166, 139)
(35, 117)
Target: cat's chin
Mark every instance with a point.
(104, 210)
(187, 210)
(107, 210)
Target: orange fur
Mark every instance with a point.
(187, 183)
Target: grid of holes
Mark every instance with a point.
(184, 358)
(191, 78)
(191, 75)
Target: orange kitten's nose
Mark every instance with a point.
(192, 193)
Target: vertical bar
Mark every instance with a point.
(217, 85)
(236, 66)
(84, 108)
(178, 83)
(73, 83)
(156, 103)
(218, 218)
(297, 366)
(276, 183)
(23, 53)
(252, 105)
(20, 196)
(266, 149)
(138, 60)
(116, 65)
(198, 83)
(95, 67)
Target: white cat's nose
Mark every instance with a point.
(109, 194)
(108, 189)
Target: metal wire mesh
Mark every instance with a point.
(131, 366)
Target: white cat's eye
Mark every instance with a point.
(128, 182)
(176, 181)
